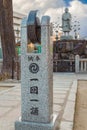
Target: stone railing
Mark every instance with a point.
(63, 65)
(80, 64)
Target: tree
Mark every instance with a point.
(7, 35)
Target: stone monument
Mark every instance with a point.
(36, 76)
(66, 25)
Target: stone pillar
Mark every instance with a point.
(77, 63)
(37, 83)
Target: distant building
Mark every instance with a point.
(17, 17)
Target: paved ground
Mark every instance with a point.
(65, 87)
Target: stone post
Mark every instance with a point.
(37, 83)
(77, 63)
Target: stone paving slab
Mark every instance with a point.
(62, 85)
(60, 88)
(7, 121)
(7, 103)
(62, 92)
(66, 125)
(72, 97)
(59, 96)
(58, 101)
(4, 110)
(69, 110)
(10, 98)
(57, 108)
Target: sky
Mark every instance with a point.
(68, 1)
(55, 9)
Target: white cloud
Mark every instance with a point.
(79, 9)
(42, 5)
(79, 12)
(54, 13)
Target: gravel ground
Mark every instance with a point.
(81, 107)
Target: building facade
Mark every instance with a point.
(17, 17)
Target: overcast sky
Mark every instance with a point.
(55, 8)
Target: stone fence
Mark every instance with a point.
(80, 64)
(63, 65)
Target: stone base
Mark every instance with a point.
(20, 125)
(66, 37)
